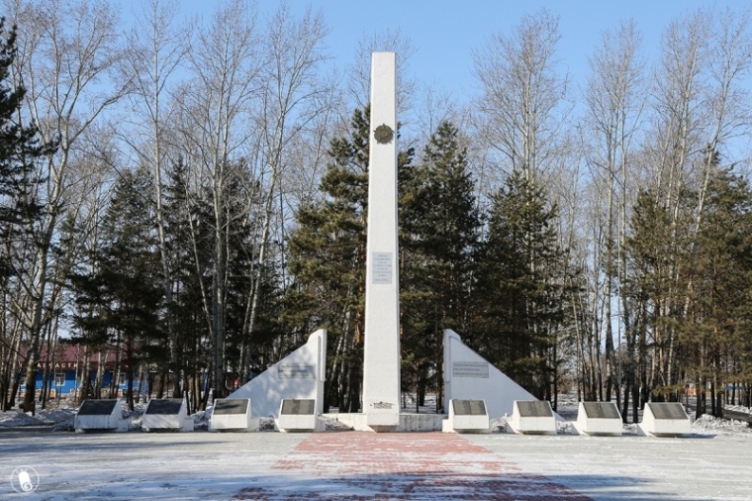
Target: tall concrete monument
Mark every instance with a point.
(381, 369)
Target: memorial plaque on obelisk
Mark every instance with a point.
(381, 367)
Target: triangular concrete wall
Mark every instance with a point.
(468, 376)
(300, 375)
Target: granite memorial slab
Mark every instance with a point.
(599, 418)
(99, 415)
(297, 415)
(166, 414)
(232, 414)
(98, 407)
(467, 416)
(533, 417)
(665, 419)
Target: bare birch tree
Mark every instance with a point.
(224, 64)
(615, 101)
(66, 55)
(294, 94)
(523, 94)
(156, 48)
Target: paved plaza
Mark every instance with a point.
(364, 466)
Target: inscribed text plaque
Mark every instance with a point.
(469, 407)
(534, 409)
(97, 407)
(225, 406)
(382, 267)
(470, 369)
(296, 371)
(668, 410)
(298, 407)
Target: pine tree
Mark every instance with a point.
(327, 259)
(20, 149)
(718, 270)
(439, 224)
(119, 293)
(188, 240)
(522, 285)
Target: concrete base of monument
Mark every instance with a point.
(467, 416)
(100, 416)
(299, 424)
(598, 419)
(532, 417)
(407, 422)
(664, 420)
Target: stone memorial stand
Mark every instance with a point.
(533, 418)
(166, 414)
(233, 414)
(665, 420)
(467, 416)
(599, 418)
(99, 415)
(298, 415)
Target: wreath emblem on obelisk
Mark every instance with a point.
(383, 134)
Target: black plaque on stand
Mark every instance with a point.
(601, 410)
(533, 408)
(469, 407)
(97, 407)
(298, 407)
(667, 410)
(227, 406)
(164, 406)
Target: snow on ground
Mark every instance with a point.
(362, 466)
(709, 465)
(16, 418)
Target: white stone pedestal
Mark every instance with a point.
(99, 415)
(533, 418)
(467, 416)
(665, 420)
(233, 414)
(155, 419)
(298, 416)
(599, 418)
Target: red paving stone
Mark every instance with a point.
(401, 466)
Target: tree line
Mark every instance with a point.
(197, 204)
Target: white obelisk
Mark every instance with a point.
(381, 366)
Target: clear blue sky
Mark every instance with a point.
(444, 33)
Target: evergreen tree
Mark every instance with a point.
(20, 149)
(718, 271)
(439, 224)
(658, 250)
(522, 286)
(188, 240)
(120, 294)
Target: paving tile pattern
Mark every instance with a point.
(402, 466)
